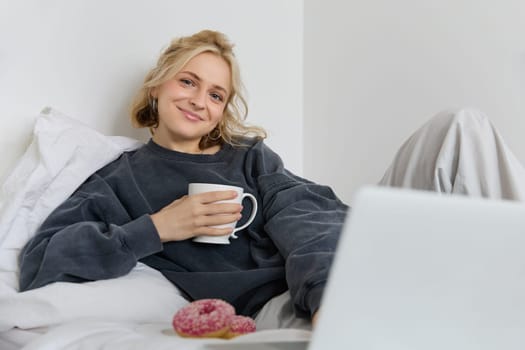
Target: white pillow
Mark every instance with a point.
(63, 154)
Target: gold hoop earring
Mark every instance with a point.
(216, 137)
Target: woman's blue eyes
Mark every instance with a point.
(214, 96)
(217, 97)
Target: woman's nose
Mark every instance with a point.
(198, 99)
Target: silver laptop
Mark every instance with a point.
(418, 270)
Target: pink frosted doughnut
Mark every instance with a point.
(207, 318)
(240, 325)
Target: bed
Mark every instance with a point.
(101, 314)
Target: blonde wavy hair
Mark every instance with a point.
(232, 128)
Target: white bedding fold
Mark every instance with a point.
(143, 295)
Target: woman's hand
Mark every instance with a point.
(194, 215)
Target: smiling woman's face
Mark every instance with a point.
(192, 103)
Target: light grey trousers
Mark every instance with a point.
(456, 152)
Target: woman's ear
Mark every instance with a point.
(154, 92)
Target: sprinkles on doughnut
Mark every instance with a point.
(205, 318)
(240, 325)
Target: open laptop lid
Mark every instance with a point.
(418, 270)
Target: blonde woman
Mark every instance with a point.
(137, 207)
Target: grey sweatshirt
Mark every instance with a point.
(105, 228)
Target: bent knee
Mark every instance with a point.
(460, 116)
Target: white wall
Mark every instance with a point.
(375, 70)
(87, 58)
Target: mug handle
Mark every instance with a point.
(252, 215)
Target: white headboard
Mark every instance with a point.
(87, 59)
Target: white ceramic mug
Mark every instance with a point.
(194, 188)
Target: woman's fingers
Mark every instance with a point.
(221, 208)
(218, 219)
(197, 214)
(214, 231)
(209, 203)
(215, 196)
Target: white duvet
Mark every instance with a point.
(129, 312)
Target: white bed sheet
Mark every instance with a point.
(127, 336)
(16, 338)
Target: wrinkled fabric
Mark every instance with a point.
(458, 152)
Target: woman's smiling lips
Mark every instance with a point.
(189, 115)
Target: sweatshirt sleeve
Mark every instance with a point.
(90, 236)
(304, 220)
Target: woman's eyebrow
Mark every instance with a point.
(196, 77)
